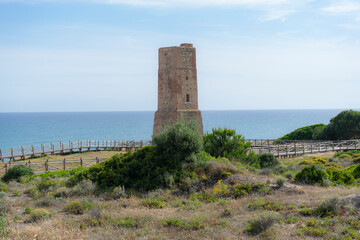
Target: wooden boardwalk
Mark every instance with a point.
(68, 147)
(287, 148)
(280, 148)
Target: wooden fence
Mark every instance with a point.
(280, 148)
(68, 147)
(287, 148)
(43, 166)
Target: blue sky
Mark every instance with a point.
(101, 55)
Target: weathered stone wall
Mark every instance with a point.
(177, 87)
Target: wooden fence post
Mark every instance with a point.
(303, 148)
(97, 160)
(33, 151)
(22, 153)
(6, 167)
(310, 148)
(295, 148)
(286, 149)
(42, 150)
(278, 151)
(64, 163)
(81, 162)
(29, 162)
(46, 165)
(12, 153)
(1, 156)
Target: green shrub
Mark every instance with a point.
(45, 185)
(119, 192)
(352, 153)
(2, 195)
(226, 143)
(177, 143)
(261, 223)
(280, 182)
(127, 222)
(341, 177)
(75, 208)
(356, 172)
(268, 160)
(149, 167)
(344, 156)
(16, 172)
(356, 160)
(345, 125)
(173, 222)
(328, 207)
(39, 214)
(312, 175)
(62, 192)
(289, 175)
(153, 203)
(33, 192)
(85, 187)
(3, 187)
(305, 212)
(304, 133)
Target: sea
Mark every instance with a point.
(26, 129)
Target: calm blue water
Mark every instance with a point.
(25, 129)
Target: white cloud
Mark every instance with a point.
(343, 7)
(276, 14)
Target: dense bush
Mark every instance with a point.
(304, 133)
(356, 172)
(261, 223)
(345, 125)
(312, 175)
(226, 143)
(16, 172)
(150, 167)
(341, 177)
(177, 144)
(268, 160)
(39, 214)
(75, 208)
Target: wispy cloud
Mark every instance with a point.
(276, 15)
(343, 7)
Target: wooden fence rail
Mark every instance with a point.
(68, 147)
(280, 148)
(44, 166)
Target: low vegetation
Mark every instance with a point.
(158, 192)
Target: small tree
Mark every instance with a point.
(226, 143)
(177, 143)
(346, 125)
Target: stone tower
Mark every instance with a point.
(177, 87)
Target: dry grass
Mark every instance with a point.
(206, 221)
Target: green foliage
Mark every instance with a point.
(328, 207)
(268, 160)
(305, 212)
(280, 182)
(150, 167)
(341, 177)
(265, 205)
(3, 187)
(39, 214)
(59, 173)
(62, 192)
(261, 223)
(16, 172)
(119, 192)
(312, 175)
(45, 185)
(3, 231)
(346, 125)
(75, 208)
(289, 175)
(153, 203)
(349, 153)
(226, 143)
(127, 222)
(356, 172)
(304, 133)
(177, 144)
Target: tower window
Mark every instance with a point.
(187, 78)
(187, 98)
